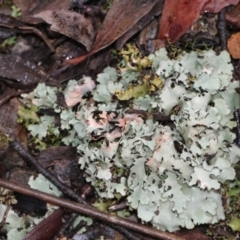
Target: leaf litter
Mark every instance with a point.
(105, 116)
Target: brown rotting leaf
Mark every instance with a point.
(234, 45)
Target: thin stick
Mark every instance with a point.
(222, 29)
(89, 211)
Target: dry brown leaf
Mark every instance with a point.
(71, 24)
(143, 22)
(234, 45)
(122, 15)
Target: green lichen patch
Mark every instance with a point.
(170, 173)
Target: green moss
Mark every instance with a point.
(16, 12)
(28, 115)
(4, 140)
(8, 42)
(234, 223)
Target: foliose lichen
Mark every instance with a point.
(170, 173)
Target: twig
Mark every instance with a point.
(66, 225)
(126, 233)
(74, 231)
(89, 211)
(222, 29)
(7, 95)
(237, 119)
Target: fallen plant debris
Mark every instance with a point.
(121, 131)
(13, 25)
(179, 16)
(233, 18)
(119, 25)
(71, 24)
(89, 211)
(130, 108)
(46, 229)
(234, 45)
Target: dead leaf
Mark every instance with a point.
(234, 45)
(9, 121)
(20, 175)
(122, 15)
(19, 73)
(65, 162)
(71, 24)
(47, 157)
(179, 16)
(47, 228)
(35, 6)
(16, 25)
(143, 22)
